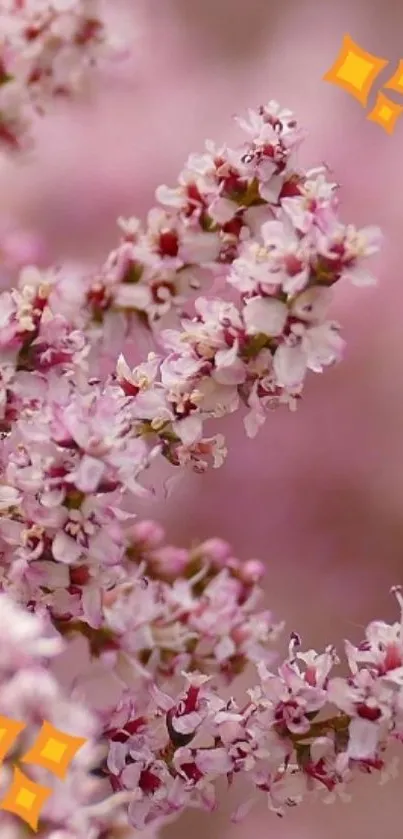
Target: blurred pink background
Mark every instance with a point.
(318, 495)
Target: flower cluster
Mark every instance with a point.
(272, 236)
(256, 350)
(79, 436)
(153, 609)
(302, 730)
(216, 222)
(45, 48)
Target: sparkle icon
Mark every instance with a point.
(355, 70)
(25, 799)
(9, 731)
(385, 113)
(54, 750)
(396, 82)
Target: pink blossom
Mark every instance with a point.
(170, 626)
(46, 50)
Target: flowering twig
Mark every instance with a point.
(284, 249)
(45, 48)
(77, 441)
(301, 730)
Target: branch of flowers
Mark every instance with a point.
(165, 754)
(150, 608)
(256, 353)
(222, 198)
(213, 217)
(46, 48)
(73, 449)
(284, 259)
(171, 752)
(68, 461)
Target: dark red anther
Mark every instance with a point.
(191, 699)
(318, 771)
(134, 726)
(234, 226)
(116, 735)
(192, 772)
(98, 297)
(79, 575)
(129, 388)
(194, 194)
(168, 244)
(290, 189)
(367, 713)
(148, 782)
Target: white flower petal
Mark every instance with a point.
(265, 316)
(289, 365)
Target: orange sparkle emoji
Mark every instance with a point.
(385, 113)
(9, 731)
(396, 81)
(25, 799)
(54, 750)
(355, 70)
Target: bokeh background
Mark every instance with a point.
(318, 495)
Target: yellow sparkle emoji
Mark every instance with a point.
(355, 70)
(385, 113)
(25, 799)
(396, 81)
(54, 750)
(9, 731)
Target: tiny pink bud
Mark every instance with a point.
(171, 560)
(216, 550)
(148, 533)
(252, 571)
